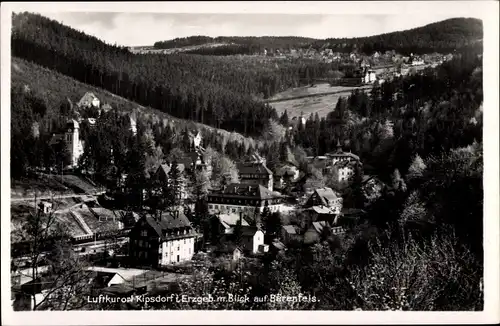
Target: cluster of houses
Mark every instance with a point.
(170, 238)
(256, 191)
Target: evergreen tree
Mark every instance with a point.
(175, 188)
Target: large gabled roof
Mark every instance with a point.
(167, 222)
(327, 195)
(248, 231)
(88, 97)
(253, 168)
(249, 190)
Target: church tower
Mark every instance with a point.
(72, 137)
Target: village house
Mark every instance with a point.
(317, 229)
(369, 76)
(289, 233)
(230, 249)
(162, 240)
(45, 207)
(71, 136)
(196, 158)
(256, 172)
(245, 198)
(46, 289)
(285, 174)
(252, 240)
(322, 205)
(277, 248)
(89, 100)
(343, 164)
(228, 221)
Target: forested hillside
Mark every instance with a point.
(444, 36)
(211, 90)
(45, 98)
(257, 43)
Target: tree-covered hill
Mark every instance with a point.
(259, 42)
(221, 92)
(444, 36)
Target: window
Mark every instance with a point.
(210, 206)
(144, 233)
(184, 241)
(140, 243)
(145, 254)
(178, 248)
(233, 210)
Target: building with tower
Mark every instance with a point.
(71, 136)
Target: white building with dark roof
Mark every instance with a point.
(163, 240)
(256, 172)
(71, 136)
(343, 164)
(244, 197)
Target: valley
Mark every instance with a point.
(185, 169)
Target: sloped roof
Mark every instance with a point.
(321, 210)
(231, 219)
(343, 154)
(88, 97)
(279, 245)
(101, 278)
(119, 289)
(327, 195)
(253, 168)
(249, 191)
(167, 222)
(228, 247)
(319, 226)
(248, 231)
(290, 229)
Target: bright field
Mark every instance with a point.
(291, 100)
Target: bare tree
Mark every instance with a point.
(64, 277)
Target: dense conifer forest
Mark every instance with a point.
(445, 36)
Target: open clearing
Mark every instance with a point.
(317, 99)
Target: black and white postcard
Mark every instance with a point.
(238, 162)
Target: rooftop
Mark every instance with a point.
(253, 168)
(290, 229)
(231, 219)
(248, 231)
(167, 222)
(243, 190)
